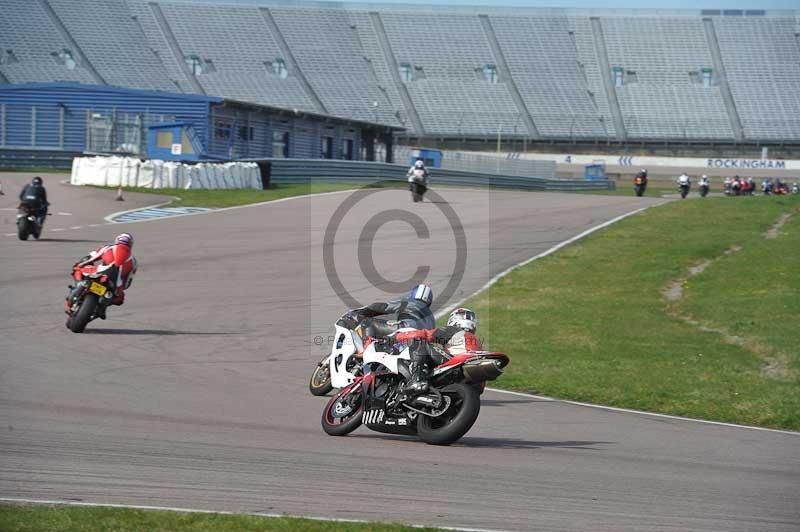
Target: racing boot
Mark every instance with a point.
(420, 368)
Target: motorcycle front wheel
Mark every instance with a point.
(456, 420)
(344, 412)
(320, 383)
(85, 312)
(22, 230)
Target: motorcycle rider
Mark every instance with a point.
(35, 195)
(117, 254)
(684, 181)
(413, 312)
(418, 165)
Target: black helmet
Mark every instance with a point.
(36, 181)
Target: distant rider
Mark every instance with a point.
(683, 180)
(413, 312)
(704, 181)
(35, 195)
(119, 254)
(419, 165)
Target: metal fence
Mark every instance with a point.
(306, 170)
(485, 164)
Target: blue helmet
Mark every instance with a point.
(421, 292)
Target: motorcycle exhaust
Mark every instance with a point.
(482, 370)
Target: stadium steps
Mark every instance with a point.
(533, 131)
(725, 89)
(62, 29)
(175, 47)
(411, 111)
(605, 69)
(292, 63)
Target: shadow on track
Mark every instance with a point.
(509, 443)
(517, 401)
(154, 332)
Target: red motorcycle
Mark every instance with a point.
(93, 291)
(439, 416)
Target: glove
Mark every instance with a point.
(349, 320)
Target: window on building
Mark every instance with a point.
(278, 68)
(706, 74)
(406, 72)
(64, 57)
(186, 144)
(7, 57)
(195, 64)
(222, 131)
(618, 74)
(280, 144)
(245, 133)
(327, 147)
(347, 149)
(490, 73)
(208, 66)
(164, 139)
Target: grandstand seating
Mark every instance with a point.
(664, 102)
(30, 35)
(552, 65)
(762, 65)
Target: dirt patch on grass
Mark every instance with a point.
(777, 364)
(775, 230)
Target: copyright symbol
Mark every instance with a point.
(319, 340)
(366, 246)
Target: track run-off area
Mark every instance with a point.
(194, 393)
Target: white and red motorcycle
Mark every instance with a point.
(374, 396)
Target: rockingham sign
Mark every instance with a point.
(633, 161)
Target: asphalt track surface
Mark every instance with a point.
(194, 394)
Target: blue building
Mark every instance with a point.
(47, 122)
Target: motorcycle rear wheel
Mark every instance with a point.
(349, 397)
(456, 421)
(81, 318)
(320, 383)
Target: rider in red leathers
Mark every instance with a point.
(118, 254)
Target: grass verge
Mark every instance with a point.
(233, 197)
(591, 322)
(97, 519)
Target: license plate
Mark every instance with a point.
(97, 288)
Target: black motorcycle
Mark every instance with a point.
(89, 296)
(639, 186)
(417, 184)
(703, 190)
(684, 189)
(28, 221)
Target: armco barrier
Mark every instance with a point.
(304, 170)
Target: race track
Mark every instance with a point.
(194, 394)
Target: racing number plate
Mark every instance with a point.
(98, 289)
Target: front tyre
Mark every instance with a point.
(344, 412)
(22, 230)
(81, 318)
(320, 383)
(456, 420)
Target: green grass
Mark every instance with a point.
(78, 519)
(590, 323)
(233, 197)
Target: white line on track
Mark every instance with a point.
(553, 249)
(220, 512)
(64, 213)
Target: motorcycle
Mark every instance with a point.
(28, 223)
(639, 186)
(376, 396)
(703, 190)
(795, 188)
(684, 190)
(94, 288)
(343, 364)
(417, 184)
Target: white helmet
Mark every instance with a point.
(463, 318)
(419, 164)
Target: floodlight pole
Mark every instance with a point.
(499, 134)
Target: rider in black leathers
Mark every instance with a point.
(411, 312)
(35, 195)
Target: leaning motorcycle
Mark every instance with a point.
(376, 397)
(417, 184)
(28, 223)
(639, 185)
(94, 288)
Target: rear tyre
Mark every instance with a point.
(81, 318)
(456, 421)
(344, 412)
(320, 383)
